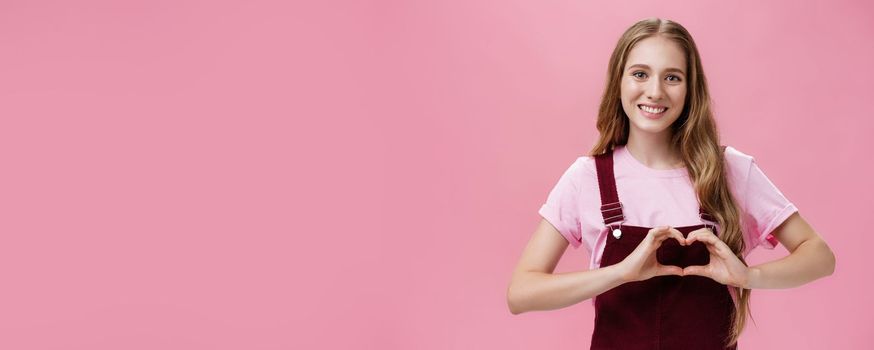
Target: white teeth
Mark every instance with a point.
(652, 110)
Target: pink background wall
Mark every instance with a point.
(266, 175)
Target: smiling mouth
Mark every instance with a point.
(651, 110)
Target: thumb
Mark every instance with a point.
(670, 270)
(698, 270)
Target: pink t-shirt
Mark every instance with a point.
(652, 197)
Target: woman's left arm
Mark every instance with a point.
(810, 258)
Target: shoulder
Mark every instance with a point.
(578, 173)
(737, 156)
(582, 166)
(582, 172)
(737, 162)
(586, 165)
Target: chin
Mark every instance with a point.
(647, 125)
(652, 130)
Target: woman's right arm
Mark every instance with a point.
(534, 286)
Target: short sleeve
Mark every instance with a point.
(562, 204)
(766, 206)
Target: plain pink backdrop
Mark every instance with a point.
(293, 175)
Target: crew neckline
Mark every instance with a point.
(622, 155)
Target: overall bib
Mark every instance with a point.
(663, 312)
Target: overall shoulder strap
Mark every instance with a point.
(611, 208)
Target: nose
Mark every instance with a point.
(655, 90)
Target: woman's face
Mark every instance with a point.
(654, 75)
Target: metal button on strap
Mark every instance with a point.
(617, 233)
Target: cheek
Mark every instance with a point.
(681, 92)
(678, 96)
(629, 91)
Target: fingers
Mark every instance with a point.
(676, 234)
(664, 232)
(658, 230)
(657, 233)
(664, 270)
(713, 243)
(698, 270)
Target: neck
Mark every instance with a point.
(654, 150)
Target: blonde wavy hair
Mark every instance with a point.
(694, 134)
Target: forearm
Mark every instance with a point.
(810, 261)
(531, 291)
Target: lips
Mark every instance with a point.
(652, 108)
(652, 111)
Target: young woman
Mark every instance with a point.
(666, 212)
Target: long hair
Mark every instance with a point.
(694, 134)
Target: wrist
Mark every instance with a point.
(753, 276)
(620, 273)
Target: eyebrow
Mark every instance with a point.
(672, 69)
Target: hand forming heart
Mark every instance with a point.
(724, 266)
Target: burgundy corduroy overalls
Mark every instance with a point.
(663, 312)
